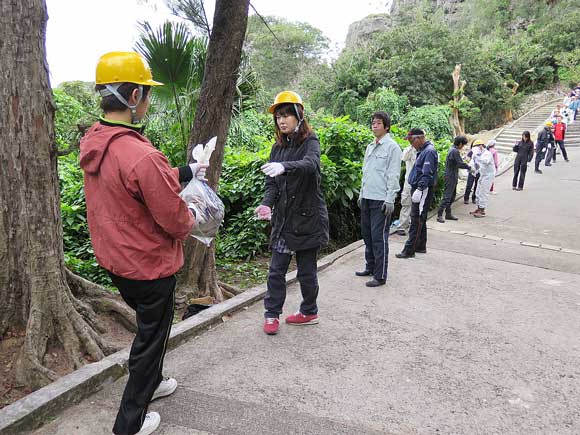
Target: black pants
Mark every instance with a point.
(471, 183)
(560, 143)
(418, 229)
(448, 196)
(520, 168)
(540, 154)
(307, 277)
(153, 304)
(375, 231)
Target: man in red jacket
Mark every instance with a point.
(559, 134)
(138, 224)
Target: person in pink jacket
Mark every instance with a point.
(137, 223)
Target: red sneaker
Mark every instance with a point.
(271, 325)
(302, 319)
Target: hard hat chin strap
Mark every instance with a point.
(112, 89)
(300, 118)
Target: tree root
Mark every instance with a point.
(96, 298)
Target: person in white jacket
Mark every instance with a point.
(486, 167)
(408, 157)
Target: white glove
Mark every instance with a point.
(273, 169)
(198, 170)
(417, 195)
(263, 212)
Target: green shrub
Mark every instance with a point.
(433, 119)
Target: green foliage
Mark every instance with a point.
(569, 71)
(78, 252)
(342, 138)
(384, 99)
(433, 119)
(69, 114)
(278, 60)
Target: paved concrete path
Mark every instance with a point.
(478, 336)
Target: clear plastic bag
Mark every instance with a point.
(209, 210)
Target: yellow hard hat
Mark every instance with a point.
(548, 124)
(124, 67)
(479, 142)
(285, 97)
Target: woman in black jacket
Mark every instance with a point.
(525, 150)
(293, 201)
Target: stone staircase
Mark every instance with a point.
(532, 121)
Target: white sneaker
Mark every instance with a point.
(151, 422)
(165, 388)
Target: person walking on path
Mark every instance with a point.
(487, 175)
(472, 177)
(559, 135)
(545, 141)
(422, 179)
(525, 153)
(379, 188)
(408, 157)
(453, 163)
(137, 223)
(294, 202)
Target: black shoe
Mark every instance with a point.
(567, 160)
(404, 255)
(514, 188)
(537, 171)
(450, 217)
(421, 251)
(401, 232)
(363, 273)
(376, 282)
(466, 201)
(440, 219)
(548, 165)
(473, 200)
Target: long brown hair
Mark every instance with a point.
(303, 131)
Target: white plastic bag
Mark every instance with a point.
(209, 210)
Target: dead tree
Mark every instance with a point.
(457, 122)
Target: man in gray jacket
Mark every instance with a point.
(380, 185)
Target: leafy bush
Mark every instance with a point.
(433, 119)
(78, 251)
(385, 99)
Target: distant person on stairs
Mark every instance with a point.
(525, 153)
(453, 163)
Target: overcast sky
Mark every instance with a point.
(80, 31)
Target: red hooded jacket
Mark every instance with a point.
(136, 218)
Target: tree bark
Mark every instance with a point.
(457, 122)
(212, 118)
(34, 291)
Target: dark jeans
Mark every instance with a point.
(520, 168)
(540, 154)
(560, 143)
(418, 229)
(153, 304)
(471, 183)
(307, 277)
(375, 231)
(448, 196)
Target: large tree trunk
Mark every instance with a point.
(35, 294)
(212, 118)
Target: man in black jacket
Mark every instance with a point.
(545, 140)
(452, 165)
(422, 179)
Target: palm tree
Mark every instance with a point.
(177, 59)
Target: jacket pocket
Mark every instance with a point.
(305, 221)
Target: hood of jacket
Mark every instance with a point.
(96, 141)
